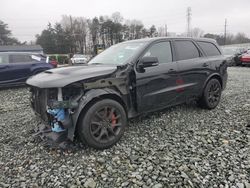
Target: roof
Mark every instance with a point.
(21, 48)
(21, 52)
(160, 38)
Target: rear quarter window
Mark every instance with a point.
(209, 48)
(186, 50)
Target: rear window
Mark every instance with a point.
(20, 58)
(186, 50)
(209, 48)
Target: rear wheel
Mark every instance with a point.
(103, 124)
(211, 94)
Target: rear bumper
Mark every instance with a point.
(224, 80)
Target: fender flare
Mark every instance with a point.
(83, 103)
(209, 77)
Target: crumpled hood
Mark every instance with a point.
(60, 77)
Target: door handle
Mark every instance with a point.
(205, 65)
(171, 71)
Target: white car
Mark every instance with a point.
(79, 59)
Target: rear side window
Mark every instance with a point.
(209, 48)
(3, 59)
(162, 51)
(20, 58)
(186, 50)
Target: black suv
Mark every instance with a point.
(95, 101)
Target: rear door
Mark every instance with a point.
(156, 87)
(193, 68)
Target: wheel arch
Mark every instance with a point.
(213, 76)
(88, 100)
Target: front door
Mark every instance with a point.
(156, 87)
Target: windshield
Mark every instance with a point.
(78, 56)
(118, 54)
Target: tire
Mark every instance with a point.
(103, 124)
(211, 95)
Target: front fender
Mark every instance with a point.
(84, 101)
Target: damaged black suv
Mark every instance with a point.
(95, 101)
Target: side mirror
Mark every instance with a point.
(148, 61)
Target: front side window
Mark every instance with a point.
(186, 50)
(162, 51)
(20, 58)
(209, 48)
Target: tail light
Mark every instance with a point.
(54, 63)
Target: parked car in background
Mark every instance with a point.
(16, 67)
(79, 59)
(124, 81)
(59, 59)
(53, 61)
(233, 55)
(245, 58)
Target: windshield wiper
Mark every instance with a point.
(96, 63)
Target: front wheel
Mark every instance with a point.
(211, 95)
(103, 124)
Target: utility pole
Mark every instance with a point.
(225, 32)
(189, 21)
(166, 30)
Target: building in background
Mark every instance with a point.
(22, 48)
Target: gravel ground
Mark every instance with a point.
(183, 146)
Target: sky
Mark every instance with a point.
(26, 18)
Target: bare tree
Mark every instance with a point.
(197, 32)
(117, 17)
(241, 38)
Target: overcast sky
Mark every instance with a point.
(26, 18)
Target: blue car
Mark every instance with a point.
(17, 67)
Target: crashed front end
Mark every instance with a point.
(55, 107)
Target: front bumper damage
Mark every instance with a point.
(55, 116)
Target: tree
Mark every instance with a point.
(219, 38)
(47, 40)
(197, 32)
(62, 40)
(152, 31)
(117, 17)
(5, 35)
(241, 38)
(94, 27)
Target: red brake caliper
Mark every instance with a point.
(113, 120)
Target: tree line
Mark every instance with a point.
(82, 35)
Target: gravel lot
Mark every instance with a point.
(183, 146)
